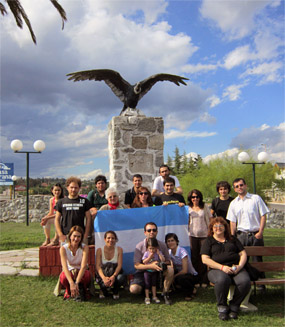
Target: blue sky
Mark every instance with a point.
(231, 51)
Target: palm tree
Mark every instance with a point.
(20, 14)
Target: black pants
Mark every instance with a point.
(186, 282)
(119, 281)
(249, 239)
(223, 282)
(196, 245)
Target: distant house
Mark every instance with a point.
(281, 167)
(44, 185)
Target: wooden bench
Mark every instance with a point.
(267, 266)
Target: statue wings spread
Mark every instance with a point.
(129, 94)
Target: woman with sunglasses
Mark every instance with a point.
(113, 201)
(142, 199)
(226, 257)
(199, 219)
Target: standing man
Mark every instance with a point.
(97, 199)
(247, 216)
(169, 196)
(164, 171)
(131, 193)
(72, 211)
(137, 284)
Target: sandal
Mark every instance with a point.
(46, 242)
(54, 242)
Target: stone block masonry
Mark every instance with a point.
(135, 147)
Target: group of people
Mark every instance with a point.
(217, 237)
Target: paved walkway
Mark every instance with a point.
(23, 262)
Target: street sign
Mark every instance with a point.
(6, 173)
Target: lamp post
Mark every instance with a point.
(14, 178)
(262, 157)
(16, 146)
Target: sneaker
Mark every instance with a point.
(167, 299)
(116, 296)
(204, 285)
(155, 299)
(223, 316)
(147, 300)
(233, 315)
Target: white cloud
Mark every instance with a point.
(235, 18)
(199, 68)
(271, 137)
(228, 153)
(271, 72)
(233, 92)
(238, 56)
(214, 101)
(172, 134)
(207, 118)
(91, 175)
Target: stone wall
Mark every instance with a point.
(135, 147)
(15, 211)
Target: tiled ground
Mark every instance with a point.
(20, 262)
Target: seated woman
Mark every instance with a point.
(113, 201)
(142, 199)
(109, 261)
(74, 255)
(226, 257)
(185, 276)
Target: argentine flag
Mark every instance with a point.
(129, 227)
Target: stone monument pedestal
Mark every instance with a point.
(135, 147)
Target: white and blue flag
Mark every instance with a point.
(129, 227)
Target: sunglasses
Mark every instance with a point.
(143, 193)
(195, 197)
(239, 185)
(151, 230)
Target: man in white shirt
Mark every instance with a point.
(158, 189)
(247, 216)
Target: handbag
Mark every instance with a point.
(253, 272)
(109, 268)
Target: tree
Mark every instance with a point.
(207, 175)
(20, 14)
(184, 163)
(169, 162)
(177, 162)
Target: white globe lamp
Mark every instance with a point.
(39, 145)
(16, 145)
(262, 156)
(243, 157)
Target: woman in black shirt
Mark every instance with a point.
(226, 257)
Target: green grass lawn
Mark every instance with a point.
(29, 301)
(19, 236)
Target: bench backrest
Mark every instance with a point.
(267, 251)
